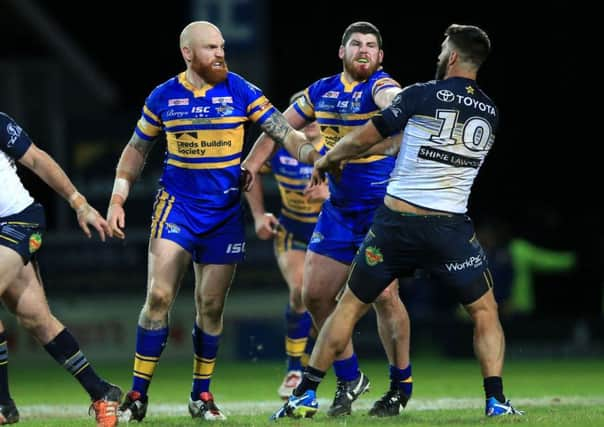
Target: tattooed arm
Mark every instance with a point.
(294, 141)
(128, 169)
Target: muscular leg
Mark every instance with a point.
(297, 318)
(393, 326)
(11, 264)
(323, 280)
(489, 347)
(291, 264)
(167, 266)
(212, 284)
(335, 335)
(489, 341)
(395, 333)
(26, 299)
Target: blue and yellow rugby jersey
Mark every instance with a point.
(297, 214)
(204, 135)
(340, 107)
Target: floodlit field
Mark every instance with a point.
(446, 393)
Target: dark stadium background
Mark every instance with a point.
(535, 181)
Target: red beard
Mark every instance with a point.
(212, 75)
(360, 72)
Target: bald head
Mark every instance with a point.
(198, 30)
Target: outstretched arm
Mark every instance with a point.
(349, 146)
(40, 163)
(128, 169)
(282, 129)
(387, 147)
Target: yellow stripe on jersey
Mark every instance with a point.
(261, 100)
(203, 120)
(217, 165)
(197, 93)
(147, 128)
(304, 104)
(385, 82)
(291, 181)
(343, 117)
(296, 201)
(348, 86)
(151, 114)
(263, 104)
(368, 159)
(205, 144)
(331, 134)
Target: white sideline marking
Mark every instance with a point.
(265, 406)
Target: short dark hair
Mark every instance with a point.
(362, 27)
(472, 42)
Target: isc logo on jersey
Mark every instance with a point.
(200, 110)
(235, 248)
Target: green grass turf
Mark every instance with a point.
(553, 393)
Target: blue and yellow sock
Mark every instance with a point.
(65, 350)
(401, 379)
(310, 345)
(347, 369)
(298, 327)
(204, 360)
(149, 346)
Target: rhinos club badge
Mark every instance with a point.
(373, 256)
(35, 241)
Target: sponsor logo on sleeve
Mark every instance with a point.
(14, 132)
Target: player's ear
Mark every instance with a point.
(452, 58)
(341, 52)
(186, 53)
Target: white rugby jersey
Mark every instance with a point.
(14, 142)
(448, 129)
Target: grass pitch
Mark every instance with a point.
(446, 392)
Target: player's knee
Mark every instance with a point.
(211, 307)
(159, 300)
(34, 321)
(483, 308)
(315, 304)
(388, 299)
